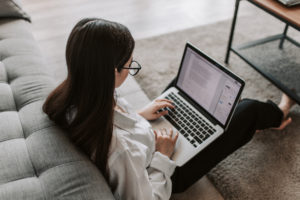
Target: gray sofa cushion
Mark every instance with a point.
(37, 159)
(12, 9)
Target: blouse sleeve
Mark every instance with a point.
(133, 180)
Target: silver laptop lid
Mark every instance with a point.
(209, 85)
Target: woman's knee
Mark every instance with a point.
(266, 114)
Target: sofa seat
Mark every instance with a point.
(37, 159)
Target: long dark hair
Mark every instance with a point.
(94, 49)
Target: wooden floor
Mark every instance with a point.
(52, 21)
(143, 17)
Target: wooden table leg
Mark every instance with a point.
(237, 3)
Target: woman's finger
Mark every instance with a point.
(160, 105)
(162, 113)
(176, 137)
(166, 100)
(167, 104)
(161, 131)
(171, 132)
(155, 133)
(164, 131)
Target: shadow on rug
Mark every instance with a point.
(269, 166)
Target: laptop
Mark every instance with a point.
(205, 97)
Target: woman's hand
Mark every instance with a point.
(165, 143)
(151, 111)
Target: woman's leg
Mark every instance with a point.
(250, 115)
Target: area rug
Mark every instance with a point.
(269, 166)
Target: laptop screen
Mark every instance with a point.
(208, 85)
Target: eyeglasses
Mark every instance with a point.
(133, 68)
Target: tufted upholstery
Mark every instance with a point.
(37, 160)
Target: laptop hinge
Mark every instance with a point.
(203, 112)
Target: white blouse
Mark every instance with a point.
(136, 170)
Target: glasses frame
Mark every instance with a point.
(138, 68)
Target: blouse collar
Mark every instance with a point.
(124, 120)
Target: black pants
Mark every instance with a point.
(250, 115)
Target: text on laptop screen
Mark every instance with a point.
(209, 86)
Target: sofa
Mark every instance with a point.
(37, 159)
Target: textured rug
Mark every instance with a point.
(269, 166)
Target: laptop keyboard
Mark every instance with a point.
(191, 125)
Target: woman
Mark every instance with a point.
(134, 159)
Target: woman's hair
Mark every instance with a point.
(94, 49)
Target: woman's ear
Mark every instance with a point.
(117, 73)
(117, 77)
